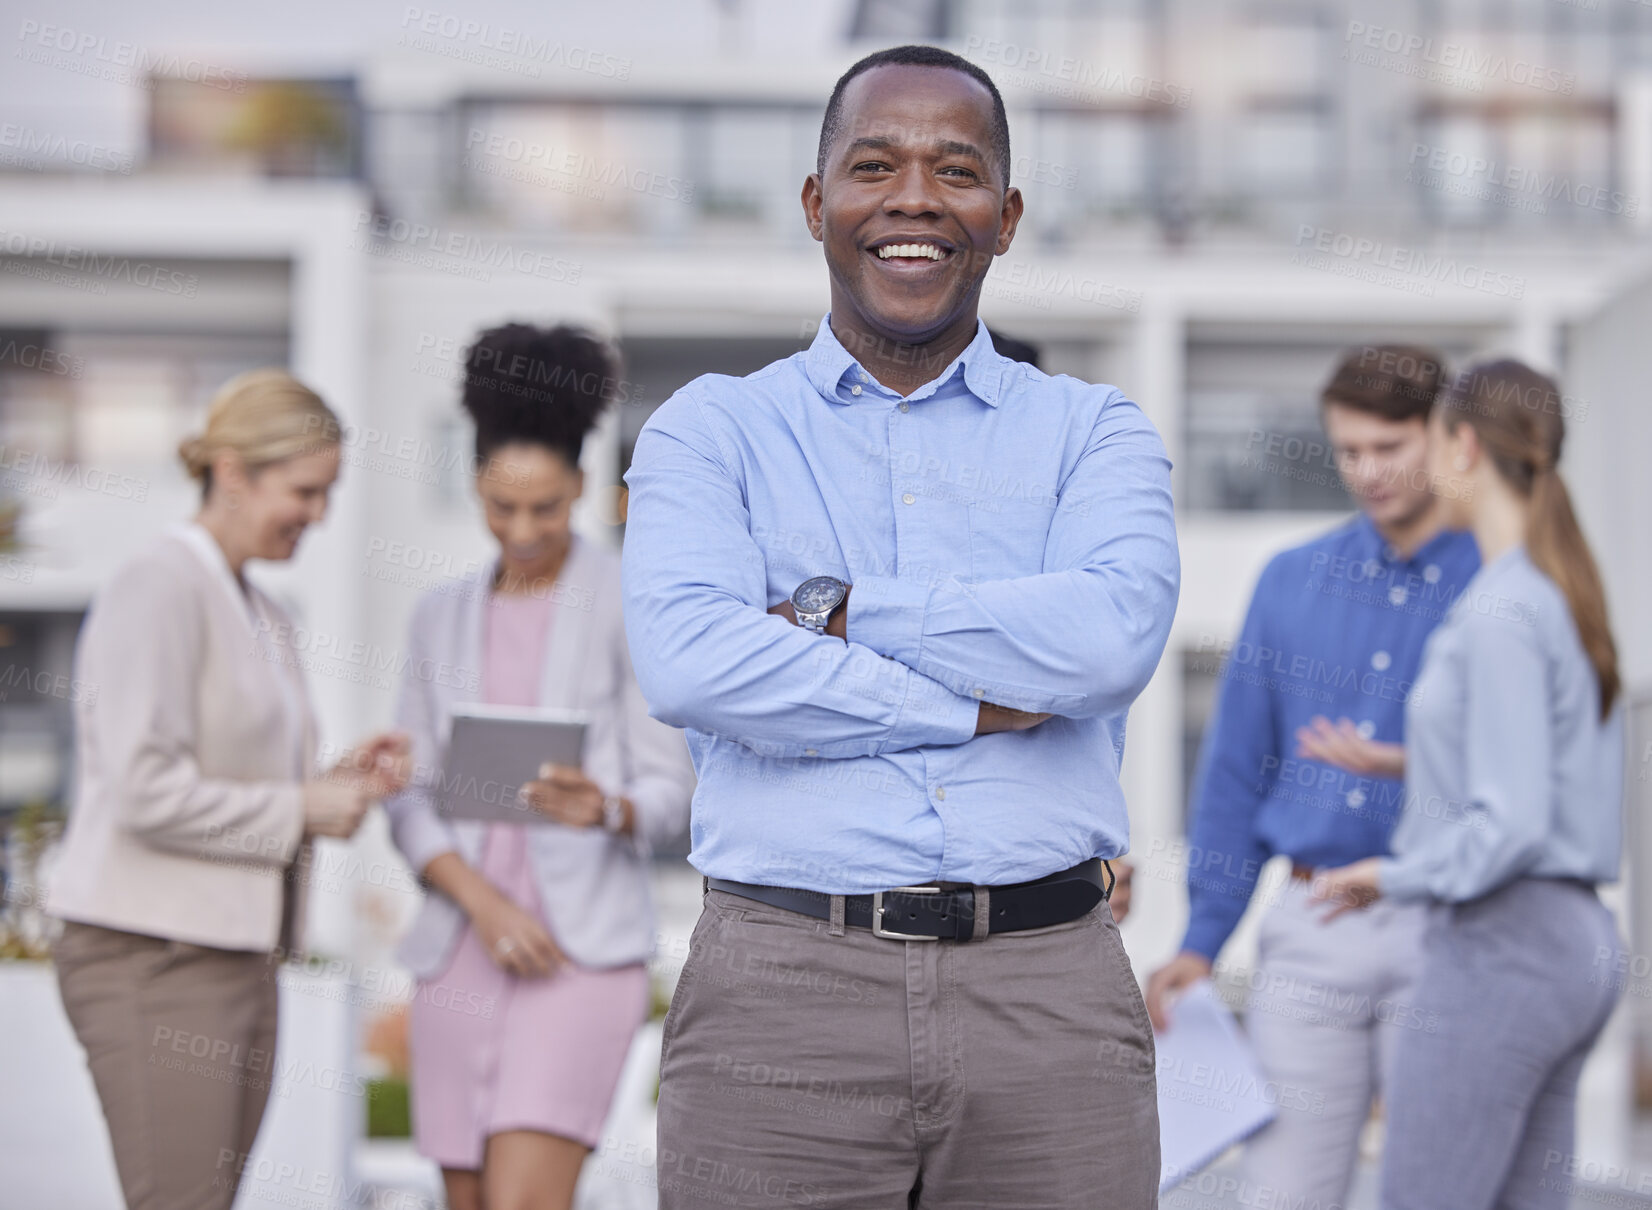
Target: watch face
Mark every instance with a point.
(818, 595)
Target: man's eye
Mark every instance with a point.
(962, 173)
(870, 166)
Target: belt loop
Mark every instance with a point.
(983, 910)
(835, 929)
(705, 886)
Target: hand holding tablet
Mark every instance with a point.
(495, 751)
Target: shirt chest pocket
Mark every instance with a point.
(1007, 537)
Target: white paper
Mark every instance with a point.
(1212, 1094)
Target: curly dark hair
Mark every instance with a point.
(539, 386)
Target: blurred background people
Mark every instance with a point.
(1513, 766)
(531, 944)
(1336, 626)
(182, 878)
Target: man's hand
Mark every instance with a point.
(1119, 901)
(1341, 744)
(1169, 981)
(991, 718)
(837, 625)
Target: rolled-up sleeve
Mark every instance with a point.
(707, 653)
(1081, 638)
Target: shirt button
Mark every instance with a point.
(1356, 798)
(1396, 595)
(909, 498)
(906, 407)
(863, 377)
(1381, 660)
(811, 752)
(940, 792)
(1431, 573)
(855, 390)
(1366, 729)
(979, 692)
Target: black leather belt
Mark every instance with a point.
(939, 911)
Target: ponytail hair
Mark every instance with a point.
(1516, 413)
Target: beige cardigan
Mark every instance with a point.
(194, 732)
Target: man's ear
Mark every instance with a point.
(1009, 219)
(811, 206)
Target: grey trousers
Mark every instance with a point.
(1327, 1004)
(805, 1069)
(180, 1039)
(1481, 1113)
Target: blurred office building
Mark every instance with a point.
(1222, 197)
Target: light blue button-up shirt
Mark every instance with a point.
(1510, 771)
(1009, 537)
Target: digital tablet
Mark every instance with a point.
(493, 750)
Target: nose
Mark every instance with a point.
(913, 193)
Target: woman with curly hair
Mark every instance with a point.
(530, 946)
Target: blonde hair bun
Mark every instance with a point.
(263, 415)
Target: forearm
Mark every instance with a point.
(461, 882)
(731, 669)
(1068, 643)
(260, 822)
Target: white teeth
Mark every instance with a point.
(926, 250)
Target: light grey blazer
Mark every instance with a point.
(593, 885)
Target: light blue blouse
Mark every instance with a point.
(1510, 771)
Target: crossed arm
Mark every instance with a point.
(912, 665)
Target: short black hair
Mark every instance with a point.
(917, 56)
(538, 386)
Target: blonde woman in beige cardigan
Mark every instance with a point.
(182, 876)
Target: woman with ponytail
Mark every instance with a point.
(1514, 766)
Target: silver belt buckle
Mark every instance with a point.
(877, 914)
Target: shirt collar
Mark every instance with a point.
(1372, 546)
(197, 537)
(982, 366)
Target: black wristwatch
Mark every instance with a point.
(816, 599)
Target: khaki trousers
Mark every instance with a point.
(180, 1040)
(851, 1072)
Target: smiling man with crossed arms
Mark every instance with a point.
(901, 591)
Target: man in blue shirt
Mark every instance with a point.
(1335, 632)
(902, 591)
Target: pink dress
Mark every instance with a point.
(491, 1051)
